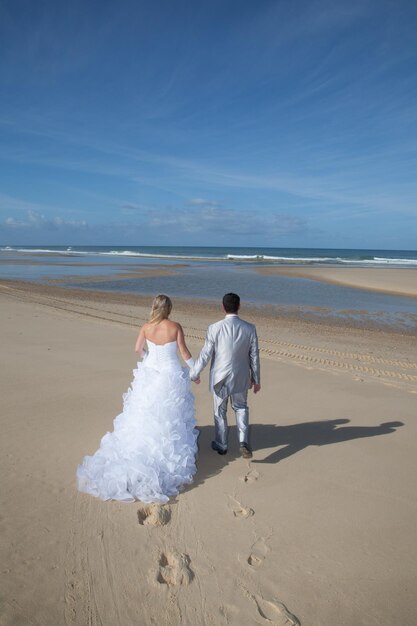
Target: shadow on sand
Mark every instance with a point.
(288, 439)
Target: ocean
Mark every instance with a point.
(282, 256)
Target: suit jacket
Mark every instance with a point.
(232, 346)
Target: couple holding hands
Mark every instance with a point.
(152, 450)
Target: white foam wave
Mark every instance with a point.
(38, 250)
(375, 261)
(149, 255)
(114, 253)
(265, 257)
(396, 261)
(379, 261)
(336, 260)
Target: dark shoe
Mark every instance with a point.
(245, 451)
(217, 448)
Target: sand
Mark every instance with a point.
(397, 281)
(319, 528)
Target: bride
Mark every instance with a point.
(151, 452)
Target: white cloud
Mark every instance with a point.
(208, 218)
(203, 202)
(38, 221)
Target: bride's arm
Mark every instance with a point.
(182, 346)
(140, 342)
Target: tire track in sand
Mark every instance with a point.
(272, 349)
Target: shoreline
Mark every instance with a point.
(308, 318)
(388, 280)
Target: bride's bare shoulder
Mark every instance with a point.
(147, 329)
(176, 325)
(169, 324)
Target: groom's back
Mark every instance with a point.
(233, 339)
(233, 335)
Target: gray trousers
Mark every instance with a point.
(239, 402)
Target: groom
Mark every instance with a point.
(232, 345)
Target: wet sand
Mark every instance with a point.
(318, 529)
(387, 280)
(120, 275)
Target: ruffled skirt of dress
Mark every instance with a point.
(151, 452)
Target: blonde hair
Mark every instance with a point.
(161, 308)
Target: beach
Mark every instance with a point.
(385, 280)
(318, 528)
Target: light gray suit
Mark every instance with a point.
(232, 346)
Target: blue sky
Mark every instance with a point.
(274, 123)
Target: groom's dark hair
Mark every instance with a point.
(231, 302)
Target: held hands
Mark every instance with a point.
(190, 363)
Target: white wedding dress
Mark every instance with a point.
(151, 452)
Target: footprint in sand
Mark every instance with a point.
(258, 553)
(174, 569)
(251, 477)
(274, 612)
(241, 511)
(154, 515)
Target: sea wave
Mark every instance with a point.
(369, 260)
(404, 261)
(149, 255)
(43, 250)
(326, 260)
(283, 259)
(380, 261)
(113, 253)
